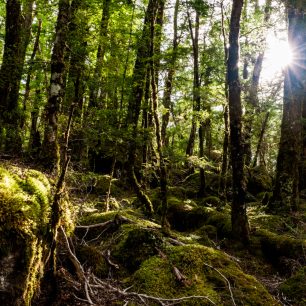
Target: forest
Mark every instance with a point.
(152, 152)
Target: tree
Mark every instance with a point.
(50, 147)
(240, 228)
(136, 96)
(292, 141)
(18, 24)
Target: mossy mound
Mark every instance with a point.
(259, 180)
(185, 218)
(24, 228)
(136, 245)
(294, 288)
(278, 247)
(206, 272)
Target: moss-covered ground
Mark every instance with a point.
(195, 259)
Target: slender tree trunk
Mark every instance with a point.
(169, 79)
(50, 149)
(286, 189)
(76, 80)
(97, 77)
(201, 155)
(17, 36)
(30, 70)
(261, 136)
(196, 83)
(135, 100)
(225, 149)
(155, 45)
(240, 228)
(252, 94)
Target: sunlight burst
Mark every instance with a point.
(278, 55)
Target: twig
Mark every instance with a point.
(107, 255)
(78, 267)
(95, 225)
(227, 281)
(141, 296)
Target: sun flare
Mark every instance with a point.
(277, 56)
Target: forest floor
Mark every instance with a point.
(114, 255)
(127, 259)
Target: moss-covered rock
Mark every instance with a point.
(90, 256)
(24, 228)
(277, 247)
(259, 180)
(206, 273)
(294, 288)
(136, 245)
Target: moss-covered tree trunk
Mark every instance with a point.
(50, 147)
(286, 189)
(240, 228)
(18, 24)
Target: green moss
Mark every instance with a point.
(210, 201)
(259, 180)
(276, 246)
(24, 226)
(136, 245)
(294, 288)
(222, 222)
(91, 256)
(202, 267)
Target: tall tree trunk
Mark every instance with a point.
(95, 87)
(50, 147)
(224, 166)
(252, 94)
(196, 82)
(291, 147)
(29, 74)
(135, 100)
(240, 228)
(76, 83)
(17, 36)
(169, 79)
(154, 65)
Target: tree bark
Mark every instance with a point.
(135, 100)
(225, 149)
(240, 228)
(291, 147)
(17, 36)
(50, 148)
(169, 79)
(196, 83)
